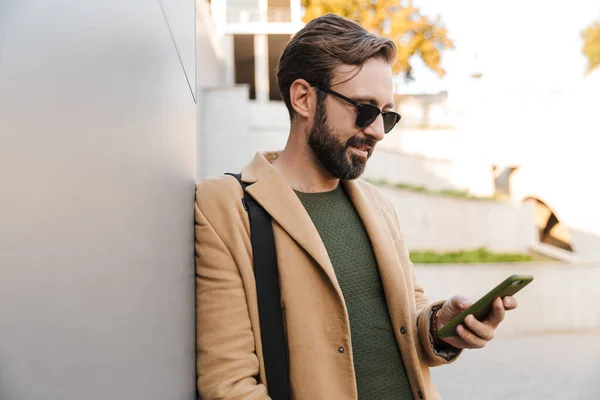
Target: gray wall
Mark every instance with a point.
(446, 223)
(97, 172)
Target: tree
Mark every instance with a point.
(591, 45)
(413, 33)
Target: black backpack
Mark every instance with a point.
(266, 273)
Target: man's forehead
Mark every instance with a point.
(345, 71)
(373, 83)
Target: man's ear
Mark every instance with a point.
(302, 98)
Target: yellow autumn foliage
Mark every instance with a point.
(414, 34)
(591, 45)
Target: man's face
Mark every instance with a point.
(341, 146)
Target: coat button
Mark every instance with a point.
(420, 394)
(403, 330)
(341, 350)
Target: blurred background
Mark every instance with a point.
(491, 169)
(111, 111)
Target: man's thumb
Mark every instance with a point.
(460, 302)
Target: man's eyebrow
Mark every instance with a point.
(370, 100)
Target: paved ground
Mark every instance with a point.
(555, 366)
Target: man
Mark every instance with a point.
(357, 323)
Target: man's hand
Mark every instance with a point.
(473, 334)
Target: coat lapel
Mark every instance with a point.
(276, 196)
(287, 210)
(390, 268)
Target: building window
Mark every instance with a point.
(243, 50)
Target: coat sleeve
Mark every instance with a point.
(434, 356)
(227, 364)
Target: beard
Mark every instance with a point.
(333, 153)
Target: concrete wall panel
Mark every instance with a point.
(97, 164)
(441, 223)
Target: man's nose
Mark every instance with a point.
(376, 129)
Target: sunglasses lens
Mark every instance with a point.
(366, 115)
(390, 119)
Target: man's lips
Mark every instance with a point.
(361, 151)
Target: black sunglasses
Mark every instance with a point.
(367, 113)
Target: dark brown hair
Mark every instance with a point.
(322, 45)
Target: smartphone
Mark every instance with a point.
(483, 306)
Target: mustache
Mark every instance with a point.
(356, 141)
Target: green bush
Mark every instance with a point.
(461, 194)
(469, 256)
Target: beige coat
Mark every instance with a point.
(230, 363)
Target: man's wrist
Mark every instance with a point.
(433, 329)
(440, 347)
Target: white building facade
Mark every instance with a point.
(239, 43)
(253, 35)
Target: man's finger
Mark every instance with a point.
(497, 314)
(457, 342)
(484, 331)
(510, 303)
(465, 304)
(460, 303)
(472, 340)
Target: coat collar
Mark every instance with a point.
(277, 197)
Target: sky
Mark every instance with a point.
(518, 45)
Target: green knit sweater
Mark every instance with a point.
(380, 372)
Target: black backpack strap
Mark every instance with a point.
(269, 297)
